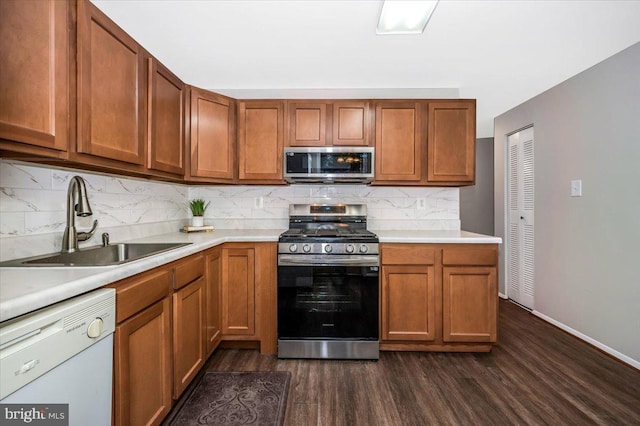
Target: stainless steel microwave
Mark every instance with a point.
(328, 164)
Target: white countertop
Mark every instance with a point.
(23, 290)
(435, 237)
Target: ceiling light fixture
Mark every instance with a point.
(405, 16)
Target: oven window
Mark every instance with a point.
(320, 302)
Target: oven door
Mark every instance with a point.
(324, 302)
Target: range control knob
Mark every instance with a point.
(293, 248)
(363, 248)
(349, 248)
(95, 328)
(306, 248)
(328, 248)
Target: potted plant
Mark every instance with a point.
(198, 206)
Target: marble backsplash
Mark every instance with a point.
(266, 207)
(33, 206)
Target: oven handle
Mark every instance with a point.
(297, 260)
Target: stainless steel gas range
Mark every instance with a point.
(328, 284)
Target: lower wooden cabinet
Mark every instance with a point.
(469, 304)
(188, 334)
(213, 276)
(409, 303)
(142, 366)
(438, 297)
(248, 294)
(238, 291)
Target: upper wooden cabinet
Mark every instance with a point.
(212, 137)
(399, 143)
(308, 124)
(34, 76)
(165, 136)
(326, 122)
(427, 143)
(260, 141)
(111, 92)
(351, 123)
(451, 142)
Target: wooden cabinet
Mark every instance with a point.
(308, 125)
(470, 294)
(248, 300)
(238, 291)
(111, 94)
(188, 334)
(451, 142)
(260, 141)
(326, 123)
(143, 366)
(35, 79)
(213, 276)
(165, 136)
(438, 297)
(399, 143)
(212, 137)
(351, 123)
(143, 345)
(408, 293)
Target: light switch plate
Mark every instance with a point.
(421, 204)
(259, 202)
(576, 188)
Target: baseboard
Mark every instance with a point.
(502, 296)
(622, 357)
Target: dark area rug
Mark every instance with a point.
(248, 398)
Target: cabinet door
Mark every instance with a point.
(111, 89)
(470, 304)
(34, 81)
(351, 123)
(451, 142)
(165, 120)
(238, 291)
(408, 303)
(260, 141)
(212, 136)
(142, 367)
(188, 334)
(307, 124)
(399, 144)
(213, 276)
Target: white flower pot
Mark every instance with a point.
(197, 221)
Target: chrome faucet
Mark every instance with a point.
(81, 208)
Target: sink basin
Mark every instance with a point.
(114, 254)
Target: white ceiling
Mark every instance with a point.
(499, 52)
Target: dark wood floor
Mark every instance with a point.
(536, 375)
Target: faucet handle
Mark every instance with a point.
(84, 236)
(105, 239)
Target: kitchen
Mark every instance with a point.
(131, 208)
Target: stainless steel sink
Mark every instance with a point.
(114, 254)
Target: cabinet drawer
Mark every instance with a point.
(408, 254)
(188, 271)
(470, 256)
(133, 295)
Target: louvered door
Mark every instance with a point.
(520, 233)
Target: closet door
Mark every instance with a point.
(520, 232)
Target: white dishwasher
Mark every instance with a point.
(61, 354)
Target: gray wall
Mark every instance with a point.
(476, 202)
(587, 249)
